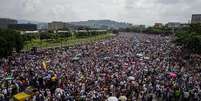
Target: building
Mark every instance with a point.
(54, 26)
(185, 25)
(5, 22)
(42, 26)
(158, 25)
(196, 18)
(23, 27)
(29, 32)
(173, 25)
(70, 26)
(139, 26)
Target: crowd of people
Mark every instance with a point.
(128, 67)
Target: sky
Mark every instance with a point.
(132, 11)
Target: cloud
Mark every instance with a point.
(134, 11)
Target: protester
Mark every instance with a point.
(127, 67)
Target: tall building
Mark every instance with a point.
(5, 22)
(196, 18)
(158, 25)
(173, 25)
(23, 27)
(42, 26)
(54, 26)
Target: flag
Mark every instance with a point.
(44, 65)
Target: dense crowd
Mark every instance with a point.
(134, 67)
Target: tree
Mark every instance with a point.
(3, 44)
(190, 38)
(195, 28)
(19, 42)
(10, 40)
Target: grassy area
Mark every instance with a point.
(70, 41)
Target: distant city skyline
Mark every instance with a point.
(132, 11)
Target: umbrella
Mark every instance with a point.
(148, 41)
(123, 98)
(139, 54)
(147, 58)
(78, 55)
(9, 78)
(116, 55)
(76, 58)
(106, 58)
(112, 98)
(171, 74)
(131, 78)
(59, 90)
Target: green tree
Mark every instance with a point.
(10, 40)
(3, 44)
(190, 38)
